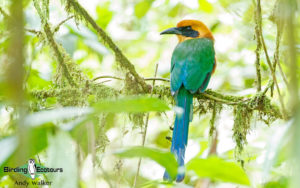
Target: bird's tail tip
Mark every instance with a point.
(179, 177)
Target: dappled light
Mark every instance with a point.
(149, 93)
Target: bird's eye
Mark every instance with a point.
(189, 27)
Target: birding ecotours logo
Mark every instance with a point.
(32, 169)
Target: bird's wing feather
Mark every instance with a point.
(192, 63)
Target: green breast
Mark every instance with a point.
(192, 64)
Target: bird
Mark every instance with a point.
(192, 64)
(31, 168)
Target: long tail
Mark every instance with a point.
(184, 99)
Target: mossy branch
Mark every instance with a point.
(53, 44)
(73, 5)
(284, 112)
(259, 102)
(243, 107)
(257, 17)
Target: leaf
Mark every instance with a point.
(165, 159)
(36, 141)
(61, 154)
(47, 116)
(283, 182)
(104, 15)
(131, 105)
(8, 146)
(218, 169)
(141, 8)
(205, 6)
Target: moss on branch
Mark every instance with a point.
(81, 14)
(50, 39)
(88, 91)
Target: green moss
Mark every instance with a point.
(137, 120)
(241, 126)
(73, 88)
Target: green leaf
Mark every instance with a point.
(283, 182)
(61, 154)
(42, 117)
(131, 105)
(36, 141)
(104, 15)
(8, 146)
(218, 169)
(205, 6)
(141, 8)
(165, 159)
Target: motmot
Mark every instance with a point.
(192, 64)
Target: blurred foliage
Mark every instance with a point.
(217, 169)
(65, 102)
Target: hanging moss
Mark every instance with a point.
(72, 88)
(102, 141)
(241, 126)
(216, 109)
(130, 87)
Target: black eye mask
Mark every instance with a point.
(188, 31)
(184, 31)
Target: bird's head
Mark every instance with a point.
(189, 29)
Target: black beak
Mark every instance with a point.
(173, 30)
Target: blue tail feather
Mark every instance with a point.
(184, 99)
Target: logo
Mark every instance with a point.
(32, 170)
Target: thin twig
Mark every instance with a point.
(107, 76)
(119, 78)
(276, 55)
(61, 23)
(222, 100)
(272, 71)
(160, 79)
(283, 75)
(274, 78)
(106, 176)
(33, 31)
(271, 82)
(205, 183)
(145, 130)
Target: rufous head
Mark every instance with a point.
(190, 29)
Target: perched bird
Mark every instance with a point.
(31, 168)
(193, 62)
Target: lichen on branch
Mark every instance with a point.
(72, 6)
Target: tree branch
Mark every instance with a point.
(61, 23)
(257, 17)
(120, 57)
(119, 78)
(270, 66)
(53, 45)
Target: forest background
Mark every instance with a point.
(84, 86)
